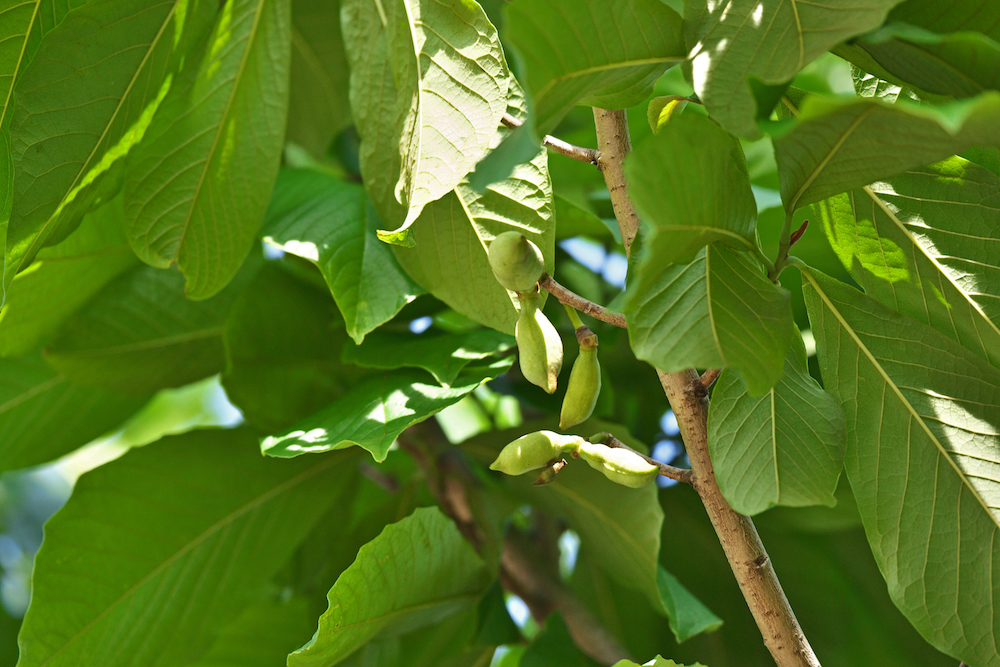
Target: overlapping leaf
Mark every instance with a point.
(429, 86)
(718, 311)
(452, 263)
(332, 223)
(196, 565)
(602, 53)
(946, 16)
(377, 410)
(926, 244)
(738, 41)
(923, 458)
(199, 184)
(86, 97)
(785, 447)
(417, 572)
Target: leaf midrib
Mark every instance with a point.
(140, 346)
(17, 66)
(618, 64)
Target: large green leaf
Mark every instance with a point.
(199, 183)
(437, 79)
(84, 100)
(925, 243)
(63, 278)
(602, 53)
(317, 106)
(377, 410)
(262, 636)
(416, 573)
(718, 311)
(946, 16)
(198, 524)
(44, 416)
(140, 334)
(332, 223)
(922, 458)
(451, 262)
(689, 182)
(738, 42)
(840, 145)
(783, 448)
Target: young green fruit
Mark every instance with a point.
(533, 451)
(516, 261)
(621, 466)
(539, 348)
(584, 382)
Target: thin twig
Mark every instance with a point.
(588, 155)
(614, 143)
(709, 377)
(570, 298)
(672, 472)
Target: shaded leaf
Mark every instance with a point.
(605, 53)
(554, 646)
(417, 572)
(946, 16)
(923, 436)
(197, 556)
(719, 311)
(377, 410)
(198, 185)
(737, 42)
(785, 447)
(262, 636)
(689, 182)
(332, 223)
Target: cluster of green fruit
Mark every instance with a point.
(518, 265)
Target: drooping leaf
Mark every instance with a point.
(922, 458)
(718, 311)
(926, 244)
(44, 416)
(317, 106)
(452, 263)
(139, 333)
(62, 279)
(442, 356)
(198, 185)
(84, 100)
(377, 410)
(735, 42)
(417, 572)
(783, 448)
(198, 524)
(690, 184)
(840, 145)
(332, 223)
(602, 53)
(429, 86)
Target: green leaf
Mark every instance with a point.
(869, 85)
(660, 661)
(690, 184)
(140, 334)
(719, 311)
(923, 432)
(443, 65)
(602, 53)
(377, 410)
(44, 416)
(317, 106)
(199, 183)
(554, 646)
(783, 448)
(837, 146)
(84, 100)
(451, 262)
(946, 16)
(262, 636)
(735, 43)
(925, 244)
(198, 522)
(442, 356)
(63, 278)
(417, 572)
(332, 223)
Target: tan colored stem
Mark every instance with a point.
(688, 397)
(570, 298)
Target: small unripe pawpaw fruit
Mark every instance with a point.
(516, 261)
(539, 348)
(533, 451)
(619, 465)
(584, 383)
